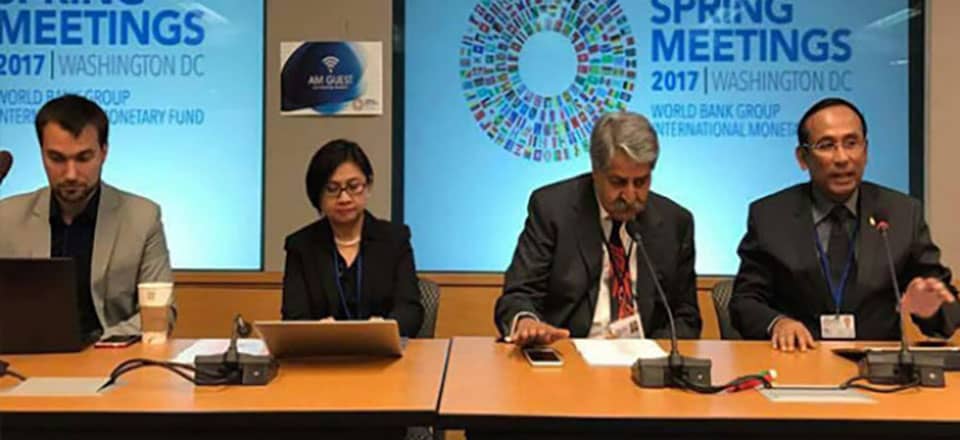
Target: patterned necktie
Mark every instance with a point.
(621, 290)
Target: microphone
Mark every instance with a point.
(229, 368)
(5, 370)
(235, 368)
(904, 367)
(6, 162)
(241, 329)
(675, 370)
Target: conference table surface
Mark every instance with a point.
(479, 385)
(490, 386)
(345, 392)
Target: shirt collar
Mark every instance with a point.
(606, 222)
(822, 205)
(604, 215)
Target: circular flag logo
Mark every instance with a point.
(537, 74)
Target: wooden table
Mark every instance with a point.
(305, 396)
(490, 389)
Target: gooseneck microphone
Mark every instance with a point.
(5, 370)
(6, 162)
(228, 368)
(904, 367)
(675, 370)
(241, 329)
(881, 222)
(235, 368)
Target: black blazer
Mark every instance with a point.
(780, 271)
(556, 267)
(389, 279)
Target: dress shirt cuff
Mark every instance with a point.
(773, 323)
(516, 320)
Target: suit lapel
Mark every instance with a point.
(105, 237)
(590, 242)
(806, 252)
(649, 222)
(38, 233)
(869, 249)
(371, 250)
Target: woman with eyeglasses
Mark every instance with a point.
(349, 265)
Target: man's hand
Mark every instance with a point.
(790, 335)
(529, 331)
(924, 297)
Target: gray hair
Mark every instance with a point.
(628, 132)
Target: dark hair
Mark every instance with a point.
(803, 135)
(326, 160)
(73, 113)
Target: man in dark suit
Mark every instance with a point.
(575, 272)
(812, 263)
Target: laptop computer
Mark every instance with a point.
(298, 339)
(38, 306)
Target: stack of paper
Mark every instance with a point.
(617, 352)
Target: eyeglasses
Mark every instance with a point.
(353, 188)
(828, 145)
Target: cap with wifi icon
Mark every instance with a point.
(323, 76)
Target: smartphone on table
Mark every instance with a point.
(117, 341)
(543, 357)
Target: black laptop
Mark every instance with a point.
(38, 306)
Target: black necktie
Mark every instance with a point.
(839, 248)
(615, 233)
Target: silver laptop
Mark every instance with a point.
(297, 339)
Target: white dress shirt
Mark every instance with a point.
(601, 314)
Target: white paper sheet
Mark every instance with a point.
(814, 394)
(617, 352)
(57, 387)
(217, 346)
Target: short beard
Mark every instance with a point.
(62, 194)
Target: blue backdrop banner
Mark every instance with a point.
(501, 96)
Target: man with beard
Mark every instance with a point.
(115, 238)
(576, 270)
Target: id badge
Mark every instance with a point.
(834, 326)
(628, 327)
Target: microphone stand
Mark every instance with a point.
(904, 367)
(235, 368)
(6, 163)
(228, 368)
(675, 370)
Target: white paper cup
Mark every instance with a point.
(155, 299)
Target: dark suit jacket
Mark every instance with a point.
(389, 279)
(780, 270)
(556, 267)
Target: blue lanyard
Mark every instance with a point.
(359, 276)
(836, 291)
